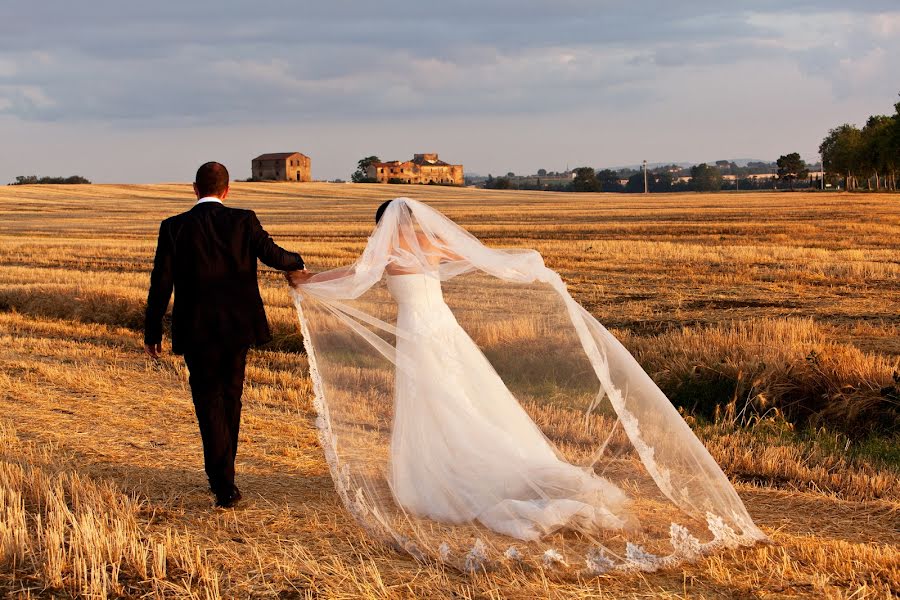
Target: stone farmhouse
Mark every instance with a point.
(281, 166)
(423, 168)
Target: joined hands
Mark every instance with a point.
(295, 278)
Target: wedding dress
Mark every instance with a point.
(472, 413)
(462, 447)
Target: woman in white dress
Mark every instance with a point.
(429, 446)
(462, 447)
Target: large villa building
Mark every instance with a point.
(423, 168)
(281, 166)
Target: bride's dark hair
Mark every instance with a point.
(380, 212)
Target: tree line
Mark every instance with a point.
(869, 156)
(789, 169)
(35, 180)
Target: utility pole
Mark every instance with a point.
(646, 187)
(822, 159)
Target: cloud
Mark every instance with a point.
(855, 54)
(202, 61)
(204, 64)
(7, 67)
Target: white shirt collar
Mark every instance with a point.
(209, 199)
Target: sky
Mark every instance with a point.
(145, 92)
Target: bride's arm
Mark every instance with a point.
(441, 253)
(450, 256)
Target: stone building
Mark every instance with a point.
(423, 168)
(281, 166)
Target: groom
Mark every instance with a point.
(208, 255)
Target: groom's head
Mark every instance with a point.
(211, 180)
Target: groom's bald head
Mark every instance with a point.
(211, 180)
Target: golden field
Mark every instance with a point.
(773, 317)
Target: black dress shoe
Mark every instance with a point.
(229, 500)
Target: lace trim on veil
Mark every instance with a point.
(685, 547)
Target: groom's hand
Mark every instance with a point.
(295, 278)
(153, 350)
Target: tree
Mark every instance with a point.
(498, 183)
(608, 181)
(872, 152)
(791, 167)
(660, 180)
(635, 183)
(34, 179)
(361, 175)
(895, 145)
(585, 180)
(542, 172)
(878, 156)
(840, 152)
(705, 178)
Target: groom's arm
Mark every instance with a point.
(270, 253)
(161, 282)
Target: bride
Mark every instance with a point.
(462, 447)
(430, 441)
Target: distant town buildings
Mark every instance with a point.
(423, 168)
(751, 177)
(281, 166)
(547, 179)
(724, 175)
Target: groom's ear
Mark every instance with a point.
(225, 192)
(196, 191)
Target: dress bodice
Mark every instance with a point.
(415, 288)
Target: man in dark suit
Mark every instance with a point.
(208, 255)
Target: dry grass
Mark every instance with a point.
(765, 366)
(62, 533)
(765, 296)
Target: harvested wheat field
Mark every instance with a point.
(772, 319)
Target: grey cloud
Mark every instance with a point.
(204, 63)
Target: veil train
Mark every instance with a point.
(473, 413)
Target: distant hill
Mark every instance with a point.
(741, 162)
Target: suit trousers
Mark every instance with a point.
(217, 382)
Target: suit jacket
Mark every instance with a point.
(208, 255)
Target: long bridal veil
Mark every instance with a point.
(646, 493)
